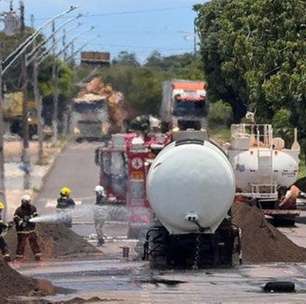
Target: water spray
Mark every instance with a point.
(106, 213)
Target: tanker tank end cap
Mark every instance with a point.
(192, 217)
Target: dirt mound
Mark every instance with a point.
(84, 301)
(15, 284)
(262, 242)
(55, 241)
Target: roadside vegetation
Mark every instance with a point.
(253, 54)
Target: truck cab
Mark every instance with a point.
(184, 105)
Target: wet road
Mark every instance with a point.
(121, 281)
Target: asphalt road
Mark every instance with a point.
(74, 168)
(129, 282)
(121, 281)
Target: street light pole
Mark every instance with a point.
(2, 169)
(55, 88)
(25, 157)
(38, 100)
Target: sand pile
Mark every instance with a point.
(15, 284)
(55, 241)
(262, 242)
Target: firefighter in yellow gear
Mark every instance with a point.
(65, 202)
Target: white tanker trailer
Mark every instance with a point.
(264, 168)
(191, 188)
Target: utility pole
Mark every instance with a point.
(72, 52)
(64, 45)
(2, 169)
(194, 39)
(25, 157)
(38, 101)
(55, 88)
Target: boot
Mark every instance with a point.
(100, 242)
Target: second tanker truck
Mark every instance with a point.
(191, 188)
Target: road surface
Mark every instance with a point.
(129, 282)
(74, 168)
(126, 281)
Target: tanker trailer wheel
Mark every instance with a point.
(157, 238)
(237, 247)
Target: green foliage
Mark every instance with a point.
(126, 58)
(282, 126)
(254, 53)
(220, 114)
(142, 84)
(220, 134)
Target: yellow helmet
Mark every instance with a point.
(65, 191)
(2, 205)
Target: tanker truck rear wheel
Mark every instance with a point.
(157, 247)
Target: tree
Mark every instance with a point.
(253, 53)
(126, 58)
(142, 84)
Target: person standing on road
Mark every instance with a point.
(65, 202)
(26, 229)
(100, 214)
(4, 227)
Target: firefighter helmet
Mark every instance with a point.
(26, 198)
(99, 189)
(65, 191)
(2, 205)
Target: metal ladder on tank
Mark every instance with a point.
(265, 173)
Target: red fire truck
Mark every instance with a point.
(124, 162)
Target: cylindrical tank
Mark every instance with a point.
(264, 166)
(191, 184)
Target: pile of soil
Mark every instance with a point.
(56, 241)
(15, 284)
(262, 242)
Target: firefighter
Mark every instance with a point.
(4, 227)
(100, 214)
(25, 228)
(65, 202)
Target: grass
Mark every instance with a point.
(302, 168)
(220, 134)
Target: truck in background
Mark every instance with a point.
(184, 105)
(90, 117)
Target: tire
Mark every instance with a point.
(158, 240)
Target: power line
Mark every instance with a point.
(142, 47)
(156, 10)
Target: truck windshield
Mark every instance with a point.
(193, 108)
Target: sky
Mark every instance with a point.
(138, 26)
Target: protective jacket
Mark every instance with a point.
(3, 228)
(22, 217)
(65, 202)
(100, 199)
